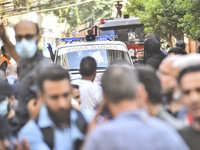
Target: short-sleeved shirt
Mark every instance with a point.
(90, 93)
(135, 131)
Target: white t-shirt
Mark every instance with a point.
(91, 93)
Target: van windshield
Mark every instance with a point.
(103, 57)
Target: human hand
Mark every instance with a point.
(23, 146)
(49, 47)
(33, 107)
(99, 118)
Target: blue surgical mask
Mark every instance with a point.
(3, 108)
(26, 48)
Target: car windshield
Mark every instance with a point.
(129, 34)
(103, 57)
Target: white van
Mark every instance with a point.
(105, 52)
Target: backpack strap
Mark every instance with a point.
(81, 122)
(48, 133)
(82, 126)
(48, 136)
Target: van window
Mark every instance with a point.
(103, 58)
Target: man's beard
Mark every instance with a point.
(61, 116)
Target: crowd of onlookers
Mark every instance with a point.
(152, 106)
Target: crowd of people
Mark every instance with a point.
(152, 106)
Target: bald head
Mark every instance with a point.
(119, 83)
(26, 24)
(168, 74)
(28, 30)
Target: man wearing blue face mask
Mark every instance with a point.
(30, 59)
(6, 100)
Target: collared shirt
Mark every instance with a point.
(63, 138)
(91, 93)
(134, 131)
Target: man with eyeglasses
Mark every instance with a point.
(30, 59)
(189, 82)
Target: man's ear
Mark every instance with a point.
(141, 96)
(38, 37)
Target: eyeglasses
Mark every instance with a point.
(26, 36)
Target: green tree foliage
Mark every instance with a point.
(166, 18)
(191, 20)
(77, 15)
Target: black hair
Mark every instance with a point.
(153, 35)
(180, 43)
(193, 68)
(177, 50)
(51, 72)
(75, 86)
(3, 49)
(148, 77)
(6, 90)
(140, 51)
(88, 66)
(198, 39)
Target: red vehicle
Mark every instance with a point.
(127, 29)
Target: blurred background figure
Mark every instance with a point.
(140, 58)
(155, 36)
(11, 73)
(152, 54)
(6, 100)
(76, 94)
(5, 59)
(2, 75)
(152, 85)
(181, 44)
(76, 98)
(4, 133)
(140, 54)
(170, 92)
(91, 93)
(176, 50)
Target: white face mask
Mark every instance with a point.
(3, 108)
(26, 48)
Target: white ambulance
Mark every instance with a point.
(69, 55)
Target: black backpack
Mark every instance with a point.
(49, 135)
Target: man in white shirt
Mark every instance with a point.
(91, 93)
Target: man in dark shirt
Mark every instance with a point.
(189, 81)
(30, 59)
